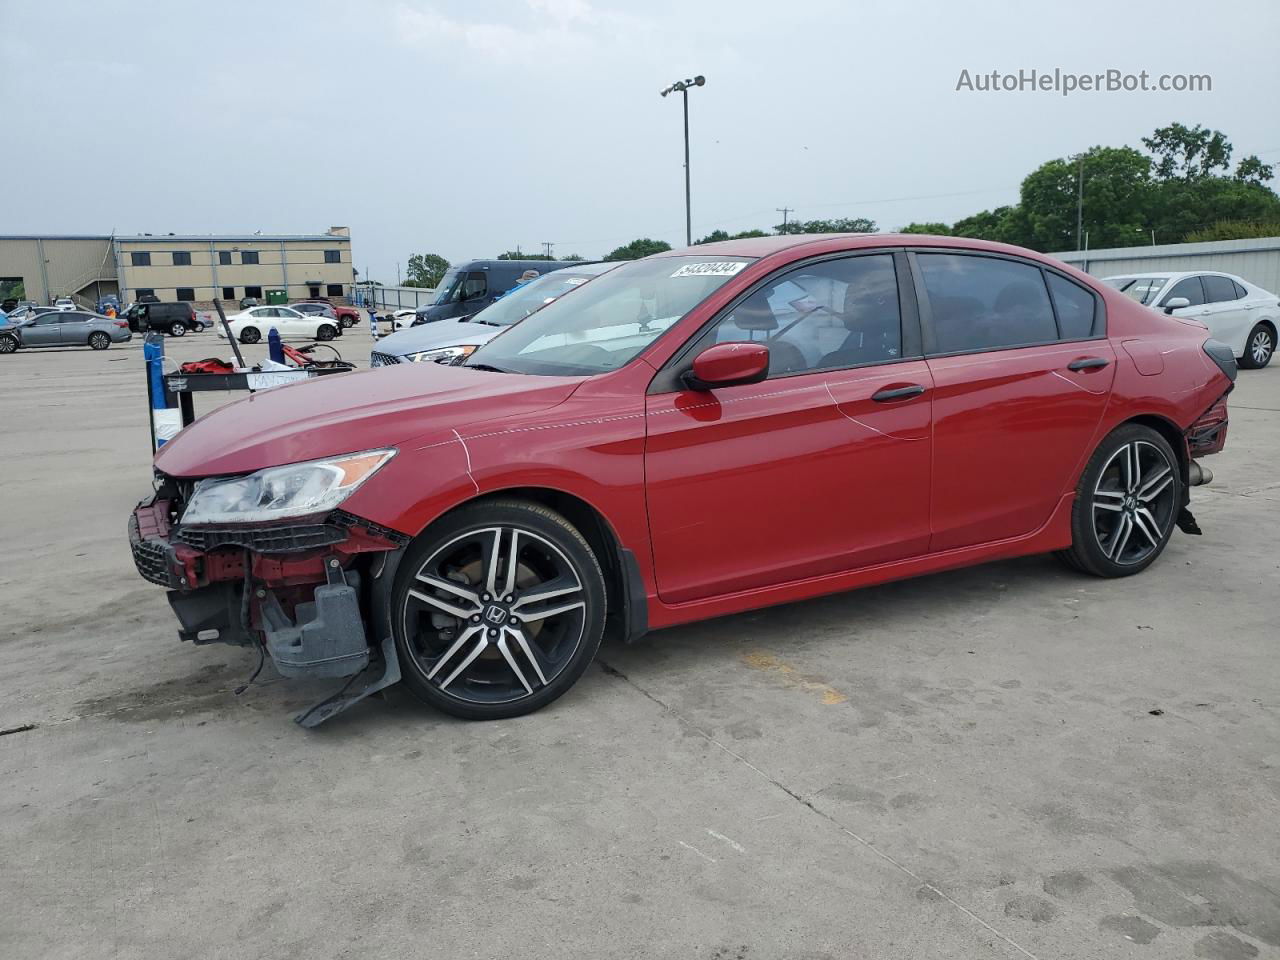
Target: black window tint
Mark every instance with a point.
(228, 293)
(829, 314)
(181, 258)
(248, 256)
(333, 290)
(475, 286)
(139, 259)
(981, 303)
(1240, 291)
(224, 258)
(333, 256)
(1190, 288)
(1218, 289)
(255, 292)
(186, 293)
(1075, 307)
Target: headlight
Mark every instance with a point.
(443, 354)
(277, 493)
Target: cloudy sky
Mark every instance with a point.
(466, 128)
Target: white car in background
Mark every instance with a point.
(1237, 312)
(401, 319)
(252, 325)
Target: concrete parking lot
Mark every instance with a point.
(1007, 761)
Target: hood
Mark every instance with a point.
(345, 413)
(429, 336)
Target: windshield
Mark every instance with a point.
(449, 287)
(1142, 289)
(605, 325)
(523, 300)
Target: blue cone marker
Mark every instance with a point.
(274, 348)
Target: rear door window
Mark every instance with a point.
(1189, 287)
(984, 303)
(1218, 289)
(1076, 308)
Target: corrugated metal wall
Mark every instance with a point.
(58, 266)
(1257, 260)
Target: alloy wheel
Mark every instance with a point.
(494, 615)
(8, 344)
(1133, 503)
(1261, 346)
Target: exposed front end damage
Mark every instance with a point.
(311, 593)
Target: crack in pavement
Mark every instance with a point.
(689, 724)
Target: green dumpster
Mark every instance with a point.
(277, 296)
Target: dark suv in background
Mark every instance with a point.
(174, 319)
(470, 287)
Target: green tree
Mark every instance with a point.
(1117, 198)
(1188, 153)
(638, 248)
(841, 225)
(936, 229)
(1252, 170)
(1235, 230)
(426, 270)
(517, 255)
(573, 258)
(716, 236)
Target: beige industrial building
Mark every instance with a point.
(192, 268)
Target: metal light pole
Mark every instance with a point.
(683, 86)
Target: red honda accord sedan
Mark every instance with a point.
(690, 435)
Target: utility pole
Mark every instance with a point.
(1079, 201)
(784, 211)
(683, 86)
(547, 245)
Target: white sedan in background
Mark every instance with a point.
(252, 325)
(1237, 312)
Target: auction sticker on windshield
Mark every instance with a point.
(719, 268)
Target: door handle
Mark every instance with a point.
(1088, 363)
(897, 393)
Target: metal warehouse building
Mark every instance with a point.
(192, 268)
(1257, 260)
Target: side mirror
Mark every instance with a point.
(1176, 303)
(726, 365)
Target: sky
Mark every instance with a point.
(468, 128)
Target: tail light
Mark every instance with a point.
(123, 324)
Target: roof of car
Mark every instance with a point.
(765, 246)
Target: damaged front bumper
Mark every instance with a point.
(312, 594)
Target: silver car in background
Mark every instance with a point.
(70, 328)
(452, 341)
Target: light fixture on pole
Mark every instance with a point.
(683, 86)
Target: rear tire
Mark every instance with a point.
(250, 335)
(487, 653)
(178, 329)
(99, 341)
(1259, 348)
(1126, 504)
(326, 332)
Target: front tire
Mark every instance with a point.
(1126, 504)
(8, 343)
(1259, 348)
(326, 332)
(250, 335)
(99, 341)
(497, 610)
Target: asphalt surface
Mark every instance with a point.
(1002, 762)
